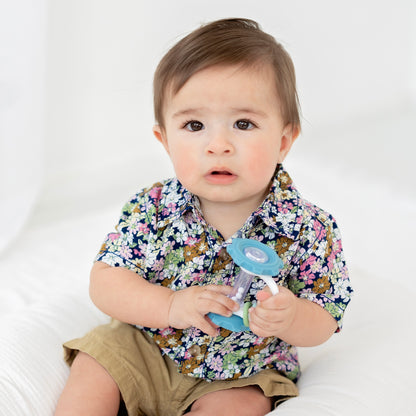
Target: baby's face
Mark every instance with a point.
(225, 135)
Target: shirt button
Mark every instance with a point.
(223, 254)
(195, 350)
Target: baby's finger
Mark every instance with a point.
(262, 328)
(214, 299)
(283, 300)
(265, 317)
(206, 305)
(207, 326)
(262, 295)
(224, 289)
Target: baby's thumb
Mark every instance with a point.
(262, 295)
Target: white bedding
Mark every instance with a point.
(366, 369)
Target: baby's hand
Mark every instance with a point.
(190, 306)
(273, 315)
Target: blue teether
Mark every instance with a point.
(254, 259)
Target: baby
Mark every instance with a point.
(227, 114)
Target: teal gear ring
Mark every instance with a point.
(255, 257)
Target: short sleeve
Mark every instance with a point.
(321, 274)
(126, 246)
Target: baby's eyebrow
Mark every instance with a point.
(234, 110)
(187, 112)
(247, 110)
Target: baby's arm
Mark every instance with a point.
(296, 321)
(126, 296)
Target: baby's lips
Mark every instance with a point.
(220, 171)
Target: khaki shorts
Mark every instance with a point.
(149, 382)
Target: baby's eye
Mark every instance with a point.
(193, 125)
(244, 125)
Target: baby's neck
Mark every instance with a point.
(226, 218)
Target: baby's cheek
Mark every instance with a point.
(186, 171)
(263, 157)
(183, 162)
(182, 170)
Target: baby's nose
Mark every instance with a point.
(219, 143)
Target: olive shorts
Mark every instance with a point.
(149, 382)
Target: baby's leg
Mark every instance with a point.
(90, 390)
(240, 401)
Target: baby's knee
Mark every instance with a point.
(90, 368)
(243, 401)
(90, 389)
(84, 363)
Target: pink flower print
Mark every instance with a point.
(158, 265)
(285, 208)
(308, 262)
(308, 277)
(154, 193)
(142, 248)
(198, 277)
(126, 252)
(147, 206)
(280, 355)
(228, 349)
(193, 332)
(170, 208)
(216, 363)
(258, 341)
(331, 259)
(113, 236)
(319, 230)
(167, 247)
(143, 228)
(191, 241)
(316, 267)
(165, 332)
(133, 228)
(336, 249)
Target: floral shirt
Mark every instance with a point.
(163, 237)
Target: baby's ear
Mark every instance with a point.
(295, 131)
(160, 135)
(289, 134)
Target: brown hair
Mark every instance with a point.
(226, 42)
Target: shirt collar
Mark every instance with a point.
(280, 210)
(175, 199)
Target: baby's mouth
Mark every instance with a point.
(221, 176)
(220, 172)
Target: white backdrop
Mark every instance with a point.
(353, 60)
(22, 100)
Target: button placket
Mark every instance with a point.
(223, 255)
(194, 350)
